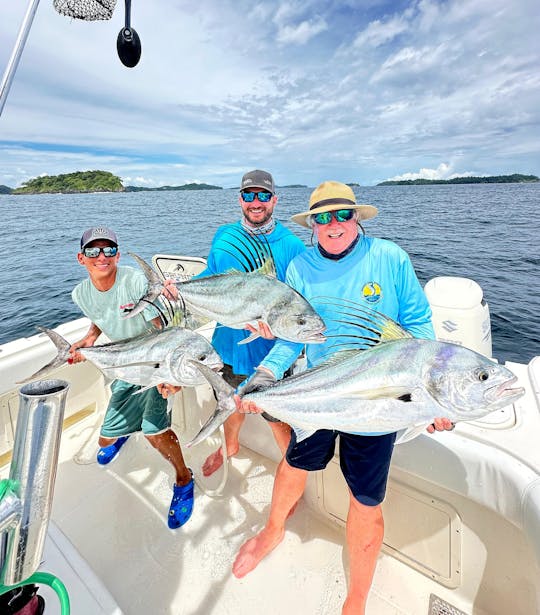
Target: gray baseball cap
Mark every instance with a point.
(258, 179)
(98, 232)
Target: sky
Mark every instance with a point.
(356, 91)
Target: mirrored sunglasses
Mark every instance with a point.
(341, 215)
(249, 197)
(108, 251)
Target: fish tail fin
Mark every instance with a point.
(225, 403)
(150, 274)
(155, 286)
(62, 346)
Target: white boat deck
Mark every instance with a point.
(115, 517)
(462, 516)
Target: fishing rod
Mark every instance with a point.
(17, 52)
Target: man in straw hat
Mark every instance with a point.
(344, 266)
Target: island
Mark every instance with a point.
(70, 183)
(183, 187)
(88, 181)
(516, 178)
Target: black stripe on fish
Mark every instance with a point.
(405, 397)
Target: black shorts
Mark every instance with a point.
(235, 380)
(364, 460)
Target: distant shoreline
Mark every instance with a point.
(516, 178)
(89, 182)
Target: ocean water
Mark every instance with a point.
(487, 232)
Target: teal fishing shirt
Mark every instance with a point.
(377, 275)
(223, 257)
(107, 308)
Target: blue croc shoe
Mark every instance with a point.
(108, 453)
(181, 504)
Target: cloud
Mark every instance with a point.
(301, 33)
(353, 90)
(443, 171)
(381, 32)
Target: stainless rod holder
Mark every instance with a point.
(25, 517)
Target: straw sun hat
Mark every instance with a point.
(330, 196)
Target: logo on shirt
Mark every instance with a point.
(372, 292)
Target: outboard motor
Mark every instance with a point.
(460, 314)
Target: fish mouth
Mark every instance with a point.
(505, 390)
(316, 338)
(215, 367)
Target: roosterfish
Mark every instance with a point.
(400, 384)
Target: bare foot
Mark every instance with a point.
(213, 462)
(254, 550)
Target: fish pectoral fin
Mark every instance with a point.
(135, 364)
(404, 435)
(252, 337)
(302, 434)
(401, 393)
(143, 389)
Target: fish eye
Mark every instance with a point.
(482, 375)
(202, 358)
(301, 320)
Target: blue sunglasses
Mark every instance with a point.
(108, 251)
(249, 197)
(341, 215)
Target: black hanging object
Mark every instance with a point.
(128, 43)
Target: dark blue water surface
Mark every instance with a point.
(487, 232)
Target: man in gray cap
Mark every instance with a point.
(104, 297)
(257, 200)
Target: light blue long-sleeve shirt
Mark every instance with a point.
(377, 274)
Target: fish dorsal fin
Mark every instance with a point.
(267, 268)
(391, 331)
(359, 327)
(251, 251)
